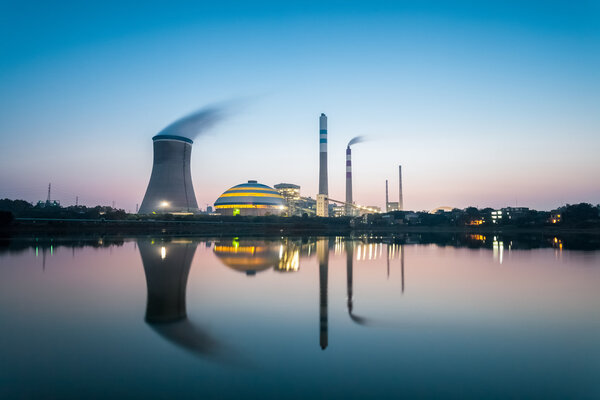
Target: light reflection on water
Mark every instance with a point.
(299, 317)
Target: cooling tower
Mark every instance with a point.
(348, 205)
(170, 188)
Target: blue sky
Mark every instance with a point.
(483, 103)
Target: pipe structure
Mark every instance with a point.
(348, 207)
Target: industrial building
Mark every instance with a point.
(289, 191)
(250, 198)
(296, 204)
(170, 189)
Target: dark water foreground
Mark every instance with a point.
(413, 316)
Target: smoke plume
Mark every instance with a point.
(198, 122)
(358, 139)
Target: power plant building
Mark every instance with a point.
(250, 198)
(170, 189)
(296, 204)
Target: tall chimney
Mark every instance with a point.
(323, 186)
(400, 201)
(322, 203)
(348, 181)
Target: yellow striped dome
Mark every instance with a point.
(255, 196)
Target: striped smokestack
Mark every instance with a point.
(348, 181)
(322, 201)
(323, 186)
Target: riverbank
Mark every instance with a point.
(256, 226)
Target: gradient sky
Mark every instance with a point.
(489, 103)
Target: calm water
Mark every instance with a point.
(298, 318)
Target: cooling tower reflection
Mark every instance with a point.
(167, 265)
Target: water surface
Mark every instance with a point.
(298, 318)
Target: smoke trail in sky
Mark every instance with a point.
(357, 139)
(198, 122)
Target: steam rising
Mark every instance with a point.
(197, 123)
(358, 139)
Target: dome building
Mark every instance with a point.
(250, 198)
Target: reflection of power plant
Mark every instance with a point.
(393, 251)
(349, 283)
(170, 188)
(323, 257)
(251, 256)
(167, 265)
(247, 255)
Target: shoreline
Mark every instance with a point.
(259, 227)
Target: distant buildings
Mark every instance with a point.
(508, 213)
(392, 206)
(515, 212)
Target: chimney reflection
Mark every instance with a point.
(402, 265)
(167, 266)
(323, 257)
(350, 283)
(392, 250)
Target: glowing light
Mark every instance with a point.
(163, 252)
(164, 204)
(251, 194)
(242, 206)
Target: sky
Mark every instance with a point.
(489, 104)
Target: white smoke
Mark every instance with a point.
(197, 123)
(358, 139)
